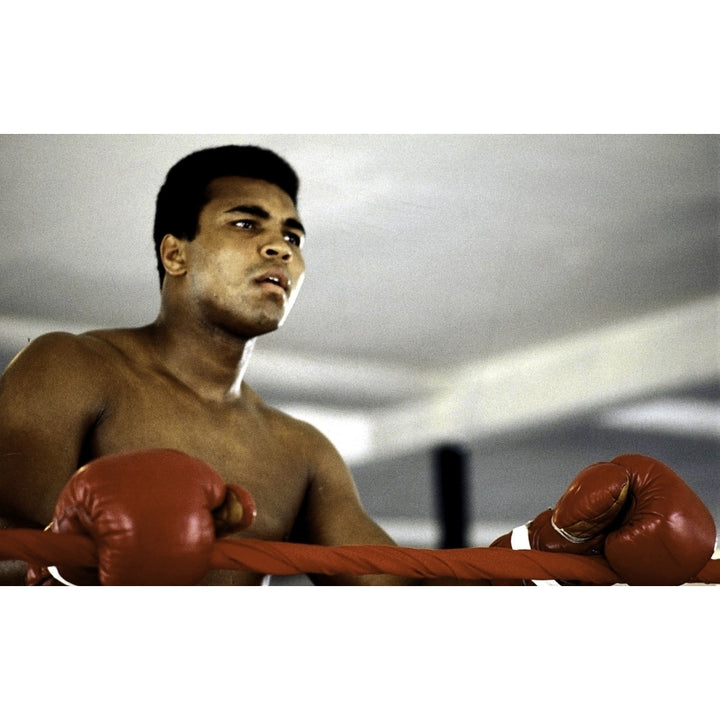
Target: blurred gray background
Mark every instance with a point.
(541, 302)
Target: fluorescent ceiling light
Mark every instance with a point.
(684, 417)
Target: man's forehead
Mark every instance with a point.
(246, 188)
(250, 195)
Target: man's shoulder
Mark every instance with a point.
(58, 370)
(94, 352)
(113, 341)
(270, 413)
(296, 429)
(59, 346)
(65, 345)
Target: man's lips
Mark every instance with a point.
(275, 277)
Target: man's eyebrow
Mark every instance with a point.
(292, 223)
(257, 211)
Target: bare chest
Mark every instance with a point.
(256, 448)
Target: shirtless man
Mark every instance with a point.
(229, 246)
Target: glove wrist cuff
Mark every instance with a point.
(567, 536)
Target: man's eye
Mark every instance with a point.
(293, 239)
(245, 224)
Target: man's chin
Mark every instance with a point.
(268, 325)
(254, 325)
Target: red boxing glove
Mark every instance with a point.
(152, 515)
(666, 534)
(649, 524)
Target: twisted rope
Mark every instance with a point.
(282, 559)
(277, 558)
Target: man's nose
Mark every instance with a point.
(277, 249)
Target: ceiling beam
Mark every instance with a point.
(656, 353)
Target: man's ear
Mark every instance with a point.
(173, 255)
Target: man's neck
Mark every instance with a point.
(213, 364)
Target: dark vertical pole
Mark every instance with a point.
(451, 492)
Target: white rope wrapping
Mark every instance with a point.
(56, 574)
(520, 540)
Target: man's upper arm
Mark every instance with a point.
(49, 397)
(334, 515)
(334, 511)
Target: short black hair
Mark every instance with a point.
(184, 192)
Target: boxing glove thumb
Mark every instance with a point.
(579, 519)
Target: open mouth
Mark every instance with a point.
(276, 279)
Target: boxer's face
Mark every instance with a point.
(244, 267)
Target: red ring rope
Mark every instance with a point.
(277, 558)
(281, 558)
